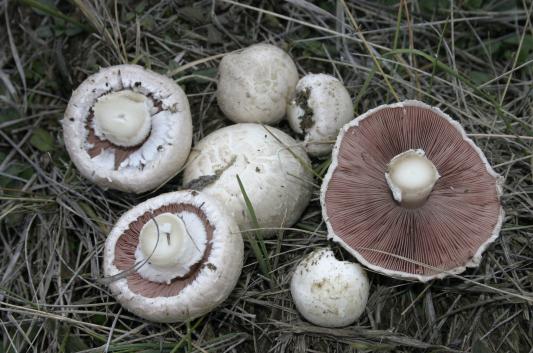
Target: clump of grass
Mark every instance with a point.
(473, 59)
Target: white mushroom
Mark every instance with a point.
(173, 257)
(128, 128)
(268, 161)
(328, 292)
(255, 84)
(319, 107)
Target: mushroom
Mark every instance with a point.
(268, 161)
(173, 257)
(329, 292)
(319, 107)
(128, 128)
(409, 194)
(255, 84)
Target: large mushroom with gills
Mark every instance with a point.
(173, 257)
(409, 194)
(273, 168)
(128, 128)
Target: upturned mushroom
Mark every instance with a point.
(173, 257)
(270, 164)
(128, 128)
(254, 85)
(319, 107)
(329, 292)
(409, 194)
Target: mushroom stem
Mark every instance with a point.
(411, 177)
(123, 117)
(169, 249)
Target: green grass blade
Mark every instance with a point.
(256, 239)
(54, 12)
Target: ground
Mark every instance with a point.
(472, 58)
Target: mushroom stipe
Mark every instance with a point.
(99, 145)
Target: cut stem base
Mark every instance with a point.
(411, 177)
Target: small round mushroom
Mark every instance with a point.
(128, 128)
(255, 84)
(409, 194)
(319, 107)
(268, 161)
(329, 292)
(173, 257)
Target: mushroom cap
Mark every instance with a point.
(449, 232)
(329, 292)
(140, 168)
(275, 180)
(203, 290)
(319, 107)
(255, 84)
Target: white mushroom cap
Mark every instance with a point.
(319, 107)
(216, 276)
(144, 166)
(275, 180)
(255, 84)
(329, 292)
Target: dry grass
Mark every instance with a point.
(473, 59)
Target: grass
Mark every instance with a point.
(473, 59)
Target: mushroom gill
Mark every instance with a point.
(127, 244)
(460, 216)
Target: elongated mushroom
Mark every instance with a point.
(329, 292)
(409, 194)
(128, 128)
(270, 164)
(173, 257)
(255, 84)
(319, 107)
